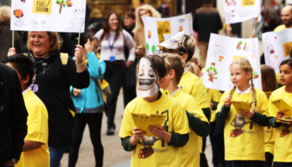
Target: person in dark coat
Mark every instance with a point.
(13, 117)
(206, 21)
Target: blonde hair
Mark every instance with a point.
(190, 67)
(175, 62)
(139, 23)
(5, 14)
(245, 65)
(188, 45)
(57, 41)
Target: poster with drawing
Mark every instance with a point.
(222, 51)
(240, 10)
(48, 15)
(277, 47)
(157, 30)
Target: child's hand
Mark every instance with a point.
(76, 91)
(157, 131)
(247, 113)
(227, 102)
(280, 114)
(211, 105)
(88, 47)
(138, 134)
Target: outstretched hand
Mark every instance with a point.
(88, 46)
(280, 114)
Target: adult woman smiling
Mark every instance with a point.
(51, 85)
(113, 39)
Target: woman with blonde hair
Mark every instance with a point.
(6, 34)
(145, 10)
(54, 74)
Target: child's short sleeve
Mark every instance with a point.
(180, 120)
(263, 106)
(37, 124)
(127, 124)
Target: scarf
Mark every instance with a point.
(42, 65)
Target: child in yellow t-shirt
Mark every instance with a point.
(199, 125)
(269, 84)
(216, 130)
(163, 148)
(283, 144)
(243, 131)
(35, 151)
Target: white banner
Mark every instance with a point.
(277, 47)
(222, 51)
(48, 15)
(159, 29)
(237, 11)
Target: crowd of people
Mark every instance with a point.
(51, 91)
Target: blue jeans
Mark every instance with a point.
(56, 154)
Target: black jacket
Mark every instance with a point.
(206, 21)
(53, 81)
(13, 115)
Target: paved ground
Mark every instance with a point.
(114, 154)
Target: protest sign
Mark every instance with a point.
(222, 51)
(277, 47)
(157, 30)
(237, 11)
(48, 15)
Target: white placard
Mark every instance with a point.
(48, 15)
(157, 30)
(237, 11)
(277, 47)
(222, 51)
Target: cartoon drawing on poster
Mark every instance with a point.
(222, 51)
(277, 47)
(159, 29)
(240, 10)
(48, 15)
(212, 72)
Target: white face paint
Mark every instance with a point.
(147, 79)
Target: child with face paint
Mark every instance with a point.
(162, 149)
(198, 123)
(184, 46)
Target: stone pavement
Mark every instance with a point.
(114, 154)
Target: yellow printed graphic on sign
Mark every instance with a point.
(238, 57)
(287, 48)
(160, 35)
(165, 25)
(42, 6)
(248, 2)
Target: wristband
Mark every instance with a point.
(80, 64)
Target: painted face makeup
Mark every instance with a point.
(147, 79)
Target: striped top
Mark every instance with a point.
(118, 49)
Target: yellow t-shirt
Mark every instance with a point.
(192, 85)
(248, 143)
(280, 28)
(283, 141)
(214, 96)
(37, 130)
(175, 121)
(191, 151)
